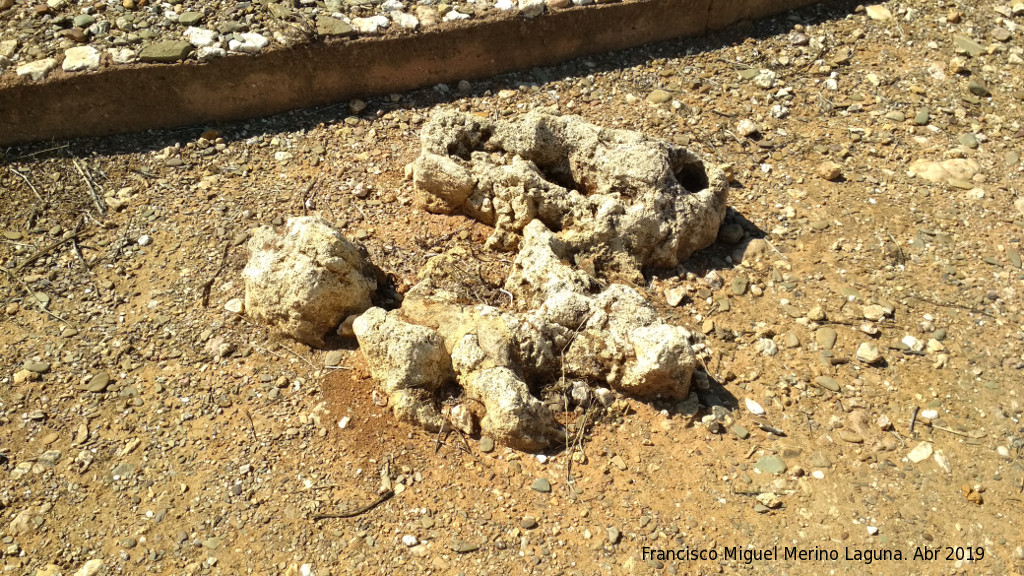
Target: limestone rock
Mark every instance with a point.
(651, 200)
(943, 171)
(305, 282)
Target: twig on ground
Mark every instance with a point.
(47, 250)
(951, 305)
(92, 189)
(207, 286)
(358, 511)
(39, 303)
(29, 182)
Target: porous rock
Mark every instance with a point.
(409, 362)
(586, 209)
(652, 200)
(305, 282)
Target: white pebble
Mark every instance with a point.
(410, 540)
(145, 240)
(754, 407)
(343, 423)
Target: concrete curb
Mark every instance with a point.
(133, 98)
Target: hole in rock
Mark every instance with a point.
(691, 176)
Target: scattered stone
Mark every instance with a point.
(334, 358)
(868, 353)
(541, 485)
(920, 453)
(828, 383)
(200, 37)
(328, 26)
(190, 18)
(967, 46)
(747, 128)
(978, 88)
(922, 117)
(99, 382)
(249, 42)
(943, 462)
(92, 568)
(878, 12)
(770, 465)
(371, 25)
(167, 51)
(968, 140)
(486, 444)
(37, 367)
(235, 305)
(829, 170)
(767, 347)
(960, 169)
(753, 407)
(825, 337)
(37, 70)
(613, 535)
(675, 296)
(410, 540)
(531, 8)
(659, 96)
(739, 285)
(739, 431)
(81, 58)
(528, 523)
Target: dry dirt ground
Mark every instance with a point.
(213, 443)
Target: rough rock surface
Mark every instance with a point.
(648, 199)
(305, 282)
(617, 201)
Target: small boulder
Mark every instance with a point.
(305, 282)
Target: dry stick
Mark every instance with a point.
(956, 432)
(27, 181)
(913, 419)
(252, 428)
(951, 305)
(45, 251)
(358, 511)
(39, 303)
(207, 286)
(92, 189)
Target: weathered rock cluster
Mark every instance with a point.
(580, 205)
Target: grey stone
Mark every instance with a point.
(190, 18)
(37, 367)
(731, 234)
(825, 337)
(334, 358)
(978, 88)
(968, 140)
(827, 382)
(84, 21)
(771, 465)
(328, 26)
(819, 460)
(922, 117)
(528, 523)
(486, 444)
(541, 485)
(739, 285)
(167, 51)
(968, 46)
(99, 382)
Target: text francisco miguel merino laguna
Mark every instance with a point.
(750, 555)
